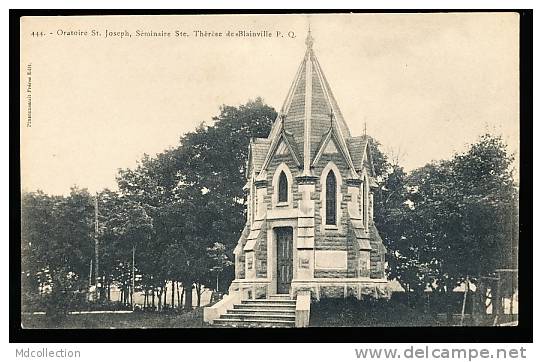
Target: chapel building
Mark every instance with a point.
(310, 202)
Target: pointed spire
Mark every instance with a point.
(309, 41)
(307, 111)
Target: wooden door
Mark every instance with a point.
(284, 259)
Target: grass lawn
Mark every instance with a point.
(193, 319)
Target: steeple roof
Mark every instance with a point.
(310, 109)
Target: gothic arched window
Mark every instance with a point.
(331, 199)
(283, 187)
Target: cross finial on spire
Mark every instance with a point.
(310, 40)
(365, 128)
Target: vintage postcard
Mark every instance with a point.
(276, 171)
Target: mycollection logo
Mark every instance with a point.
(47, 353)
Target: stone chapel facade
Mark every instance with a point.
(310, 211)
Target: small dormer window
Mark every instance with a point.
(283, 187)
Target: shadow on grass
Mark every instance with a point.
(192, 319)
(351, 312)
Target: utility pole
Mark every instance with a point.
(96, 248)
(133, 277)
(467, 288)
(89, 280)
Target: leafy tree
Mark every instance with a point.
(57, 239)
(460, 220)
(37, 222)
(194, 195)
(220, 261)
(126, 228)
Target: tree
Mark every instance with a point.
(194, 195)
(37, 222)
(220, 261)
(211, 164)
(460, 221)
(126, 227)
(57, 242)
(392, 218)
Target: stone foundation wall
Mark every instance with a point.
(332, 288)
(343, 288)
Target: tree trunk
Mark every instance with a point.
(178, 297)
(496, 298)
(165, 295)
(479, 303)
(145, 299)
(153, 304)
(181, 304)
(188, 296)
(172, 294)
(198, 293)
(449, 306)
(160, 290)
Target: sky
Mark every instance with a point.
(425, 85)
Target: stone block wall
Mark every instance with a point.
(261, 255)
(294, 170)
(334, 239)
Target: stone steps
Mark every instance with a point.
(266, 301)
(240, 310)
(278, 311)
(267, 305)
(253, 323)
(279, 297)
(259, 316)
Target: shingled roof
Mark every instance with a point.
(257, 151)
(357, 147)
(310, 108)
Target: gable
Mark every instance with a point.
(284, 145)
(284, 153)
(331, 147)
(282, 149)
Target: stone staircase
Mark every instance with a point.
(277, 311)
